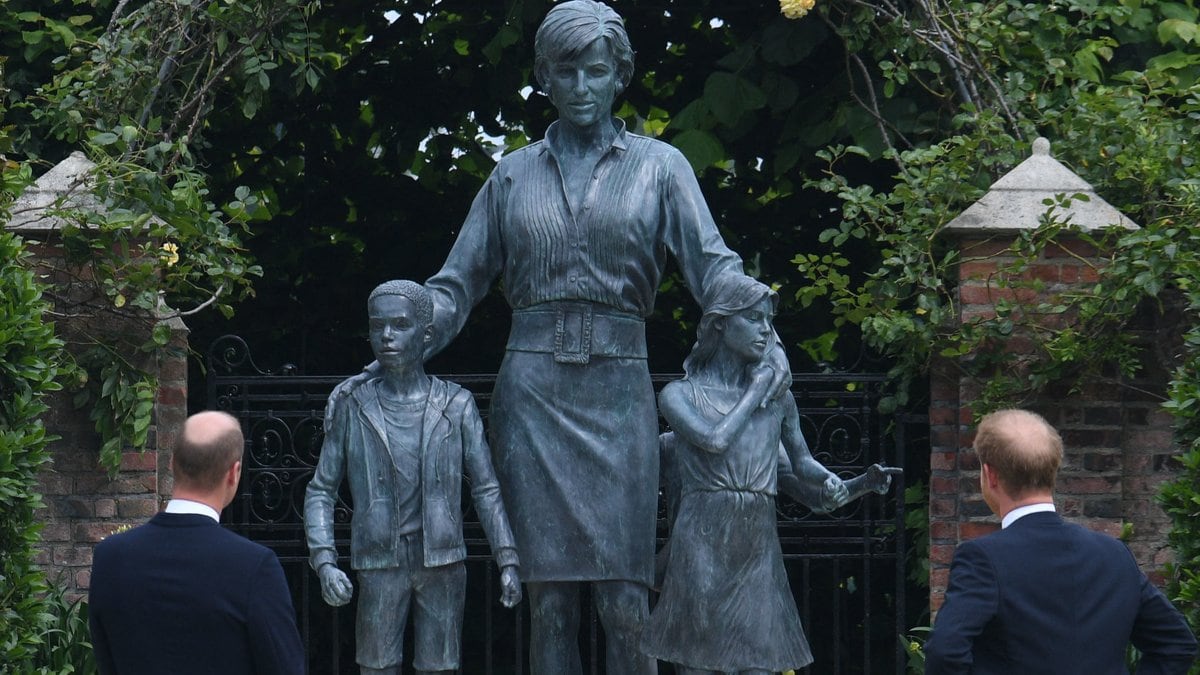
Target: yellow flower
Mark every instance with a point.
(794, 9)
(118, 530)
(170, 253)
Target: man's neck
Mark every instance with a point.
(180, 504)
(1037, 500)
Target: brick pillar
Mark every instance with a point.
(1118, 440)
(82, 504)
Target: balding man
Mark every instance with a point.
(1042, 595)
(183, 595)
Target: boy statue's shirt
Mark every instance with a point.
(403, 424)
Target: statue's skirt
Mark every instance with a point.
(576, 450)
(725, 604)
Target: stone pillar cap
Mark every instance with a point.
(68, 182)
(1016, 201)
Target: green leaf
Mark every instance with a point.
(1175, 60)
(701, 148)
(64, 33)
(161, 334)
(787, 43)
(729, 95)
(693, 116)
(505, 37)
(1177, 28)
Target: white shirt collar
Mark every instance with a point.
(1022, 511)
(196, 508)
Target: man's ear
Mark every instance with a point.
(234, 475)
(989, 474)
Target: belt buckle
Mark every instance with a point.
(573, 334)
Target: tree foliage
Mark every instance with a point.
(1115, 85)
(31, 362)
(135, 85)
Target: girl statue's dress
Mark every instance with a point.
(725, 603)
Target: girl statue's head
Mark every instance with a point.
(726, 296)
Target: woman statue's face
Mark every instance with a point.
(583, 88)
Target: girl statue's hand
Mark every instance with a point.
(834, 493)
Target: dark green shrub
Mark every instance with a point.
(30, 363)
(29, 356)
(66, 645)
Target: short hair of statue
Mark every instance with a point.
(202, 462)
(569, 28)
(417, 293)
(1022, 448)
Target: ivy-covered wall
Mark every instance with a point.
(82, 501)
(1117, 436)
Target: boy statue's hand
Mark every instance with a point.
(510, 587)
(336, 588)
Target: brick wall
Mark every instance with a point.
(82, 504)
(1117, 439)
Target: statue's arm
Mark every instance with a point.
(489, 506)
(321, 495)
(485, 487)
(474, 263)
(695, 241)
(806, 492)
(690, 232)
(807, 481)
(677, 408)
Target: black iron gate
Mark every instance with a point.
(847, 569)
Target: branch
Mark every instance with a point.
(198, 308)
(116, 16)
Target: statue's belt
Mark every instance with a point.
(576, 331)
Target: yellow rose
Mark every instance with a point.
(170, 253)
(794, 9)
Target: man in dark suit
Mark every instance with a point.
(183, 595)
(1042, 595)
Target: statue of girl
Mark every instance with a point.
(725, 604)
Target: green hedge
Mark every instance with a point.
(30, 363)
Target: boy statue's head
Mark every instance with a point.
(400, 321)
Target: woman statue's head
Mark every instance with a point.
(728, 295)
(571, 27)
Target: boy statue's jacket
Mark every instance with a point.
(356, 447)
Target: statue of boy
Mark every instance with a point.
(404, 438)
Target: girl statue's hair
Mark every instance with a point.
(727, 295)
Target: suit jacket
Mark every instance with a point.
(356, 445)
(185, 596)
(1047, 596)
